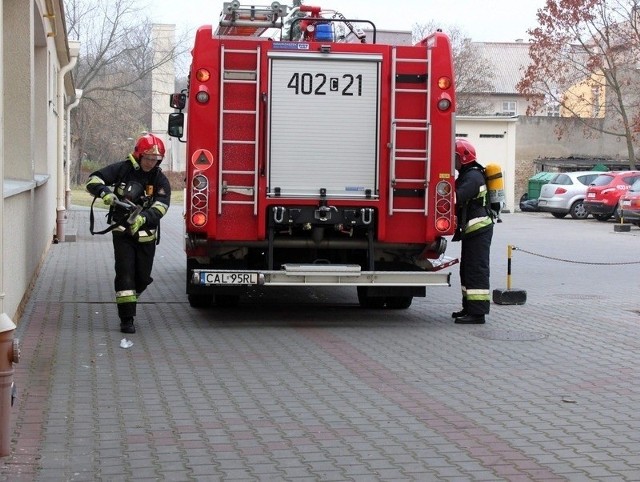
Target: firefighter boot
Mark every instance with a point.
(471, 320)
(126, 325)
(462, 312)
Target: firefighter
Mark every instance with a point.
(475, 230)
(135, 185)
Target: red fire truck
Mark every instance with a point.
(316, 158)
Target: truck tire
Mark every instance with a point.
(399, 302)
(372, 302)
(200, 301)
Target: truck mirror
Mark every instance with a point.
(176, 124)
(178, 101)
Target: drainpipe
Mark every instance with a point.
(67, 199)
(61, 215)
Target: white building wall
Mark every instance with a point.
(162, 85)
(495, 141)
(33, 46)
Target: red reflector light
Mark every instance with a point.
(198, 219)
(203, 75)
(444, 82)
(443, 224)
(443, 206)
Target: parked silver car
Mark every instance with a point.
(565, 193)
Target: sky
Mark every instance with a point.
(481, 20)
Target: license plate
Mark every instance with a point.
(224, 278)
(591, 194)
(542, 203)
(626, 203)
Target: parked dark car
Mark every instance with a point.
(629, 204)
(565, 192)
(604, 193)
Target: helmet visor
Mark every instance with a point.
(151, 157)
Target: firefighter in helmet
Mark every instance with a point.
(475, 230)
(138, 195)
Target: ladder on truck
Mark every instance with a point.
(250, 21)
(234, 76)
(403, 153)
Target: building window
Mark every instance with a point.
(553, 110)
(509, 108)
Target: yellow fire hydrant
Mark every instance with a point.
(9, 354)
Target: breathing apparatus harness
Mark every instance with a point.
(124, 211)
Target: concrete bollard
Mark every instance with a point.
(9, 354)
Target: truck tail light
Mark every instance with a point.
(198, 219)
(443, 224)
(444, 103)
(444, 206)
(444, 83)
(202, 97)
(203, 75)
(199, 199)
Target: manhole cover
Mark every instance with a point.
(509, 335)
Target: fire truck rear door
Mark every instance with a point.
(323, 124)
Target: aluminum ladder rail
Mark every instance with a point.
(250, 20)
(406, 154)
(239, 77)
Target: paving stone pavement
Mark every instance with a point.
(303, 385)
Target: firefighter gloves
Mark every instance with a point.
(108, 198)
(136, 224)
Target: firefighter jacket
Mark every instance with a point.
(472, 204)
(154, 198)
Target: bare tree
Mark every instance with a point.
(585, 56)
(473, 72)
(113, 71)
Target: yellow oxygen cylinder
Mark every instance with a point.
(495, 183)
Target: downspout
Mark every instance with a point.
(2, 248)
(61, 216)
(67, 199)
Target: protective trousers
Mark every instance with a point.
(133, 264)
(474, 272)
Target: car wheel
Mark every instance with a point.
(578, 211)
(602, 217)
(559, 215)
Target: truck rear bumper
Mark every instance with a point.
(324, 275)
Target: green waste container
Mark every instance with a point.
(536, 182)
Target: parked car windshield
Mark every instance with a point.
(587, 179)
(561, 179)
(635, 187)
